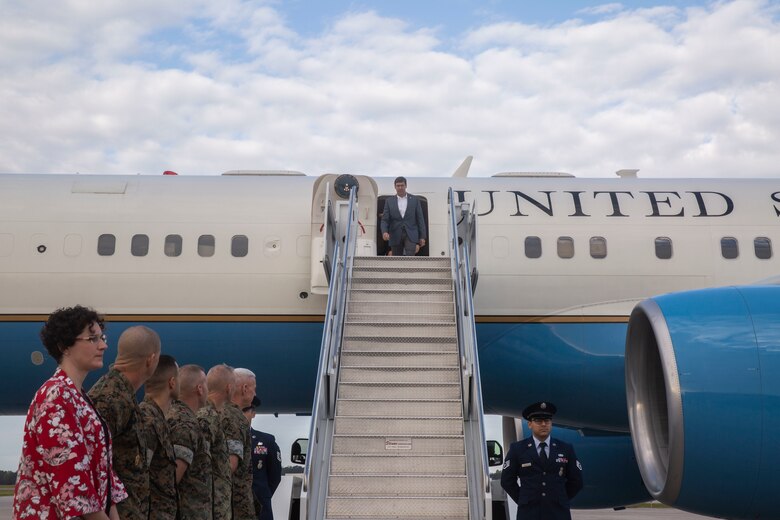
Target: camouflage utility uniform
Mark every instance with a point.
(162, 463)
(114, 398)
(221, 477)
(191, 445)
(236, 428)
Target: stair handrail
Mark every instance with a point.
(315, 473)
(463, 236)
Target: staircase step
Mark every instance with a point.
(397, 305)
(403, 273)
(389, 507)
(387, 345)
(402, 261)
(412, 294)
(392, 465)
(399, 390)
(394, 445)
(398, 408)
(401, 485)
(392, 375)
(398, 358)
(358, 314)
(400, 330)
(399, 285)
(398, 426)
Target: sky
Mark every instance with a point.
(675, 89)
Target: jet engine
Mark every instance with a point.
(703, 392)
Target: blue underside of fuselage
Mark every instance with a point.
(577, 366)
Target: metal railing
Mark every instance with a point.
(463, 247)
(315, 475)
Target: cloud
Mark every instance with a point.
(189, 86)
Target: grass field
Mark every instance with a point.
(6, 491)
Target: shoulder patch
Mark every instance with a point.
(579, 466)
(506, 465)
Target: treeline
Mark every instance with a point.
(7, 478)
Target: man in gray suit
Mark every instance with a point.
(403, 223)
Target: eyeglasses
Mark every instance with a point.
(539, 420)
(95, 338)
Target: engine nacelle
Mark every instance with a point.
(703, 392)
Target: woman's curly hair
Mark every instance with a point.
(60, 331)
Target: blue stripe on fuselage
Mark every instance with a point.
(578, 366)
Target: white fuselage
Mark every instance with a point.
(50, 225)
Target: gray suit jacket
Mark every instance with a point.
(413, 221)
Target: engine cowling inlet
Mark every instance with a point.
(703, 397)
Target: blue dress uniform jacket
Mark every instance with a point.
(541, 492)
(266, 470)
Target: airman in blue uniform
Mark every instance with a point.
(541, 473)
(266, 466)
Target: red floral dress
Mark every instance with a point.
(65, 468)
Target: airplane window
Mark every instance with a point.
(106, 245)
(239, 246)
(663, 248)
(139, 245)
(729, 248)
(206, 245)
(763, 247)
(173, 245)
(533, 247)
(565, 247)
(598, 247)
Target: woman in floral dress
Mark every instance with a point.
(65, 471)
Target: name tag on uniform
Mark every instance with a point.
(526, 464)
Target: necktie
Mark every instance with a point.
(543, 453)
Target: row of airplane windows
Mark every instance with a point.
(239, 246)
(729, 247)
(139, 245)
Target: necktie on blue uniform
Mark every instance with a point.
(543, 453)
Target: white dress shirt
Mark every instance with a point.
(547, 449)
(402, 203)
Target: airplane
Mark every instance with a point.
(645, 309)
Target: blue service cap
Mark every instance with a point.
(542, 409)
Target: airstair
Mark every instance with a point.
(397, 426)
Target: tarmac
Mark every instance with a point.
(634, 513)
(639, 513)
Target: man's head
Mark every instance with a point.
(193, 388)
(221, 382)
(138, 351)
(165, 380)
(246, 385)
(539, 416)
(400, 186)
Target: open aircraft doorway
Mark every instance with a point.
(382, 247)
(330, 193)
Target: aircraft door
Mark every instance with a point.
(331, 194)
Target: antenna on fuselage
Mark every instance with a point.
(626, 174)
(463, 169)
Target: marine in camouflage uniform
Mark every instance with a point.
(162, 463)
(189, 437)
(236, 428)
(221, 477)
(114, 399)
